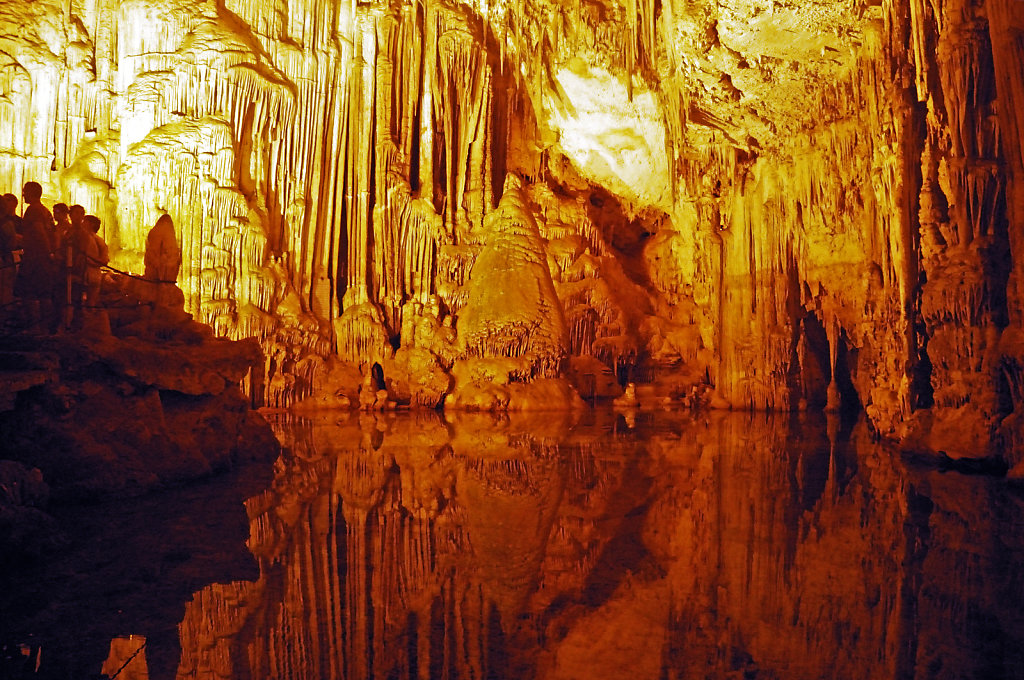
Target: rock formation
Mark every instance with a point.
(119, 415)
(765, 205)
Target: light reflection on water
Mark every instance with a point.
(733, 546)
(648, 546)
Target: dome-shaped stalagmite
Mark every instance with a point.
(511, 307)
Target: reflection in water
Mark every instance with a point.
(122, 581)
(127, 658)
(735, 546)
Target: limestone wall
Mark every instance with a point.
(791, 204)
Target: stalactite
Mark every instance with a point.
(459, 87)
(359, 176)
(421, 229)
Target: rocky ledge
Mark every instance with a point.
(138, 397)
(106, 415)
(93, 416)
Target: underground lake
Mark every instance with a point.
(606, 544)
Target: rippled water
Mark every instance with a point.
(617, 546)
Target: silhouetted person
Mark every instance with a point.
(163, 258)
(76, 214)
(95, 257)
(94, 318)
(39, 214)
(77, 240)
(8, 232)
(9, 242)
(37, 218)
(62, 290)
(35, 275)
(10, 203)
(61, 219)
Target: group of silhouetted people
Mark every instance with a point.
(58, 257)
(52, 261)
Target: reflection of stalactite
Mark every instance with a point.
(356, 605)
(596, 553)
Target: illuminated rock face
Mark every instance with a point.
(798, 204)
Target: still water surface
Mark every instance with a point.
(612, 546)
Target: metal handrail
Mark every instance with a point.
(7, 330)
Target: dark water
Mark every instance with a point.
(398, 546)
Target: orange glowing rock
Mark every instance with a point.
(796, 206)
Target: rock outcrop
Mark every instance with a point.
(26, 531)
(122, 416)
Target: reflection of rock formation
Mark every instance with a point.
(789, 558)
(397, 547)
(126, 570)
